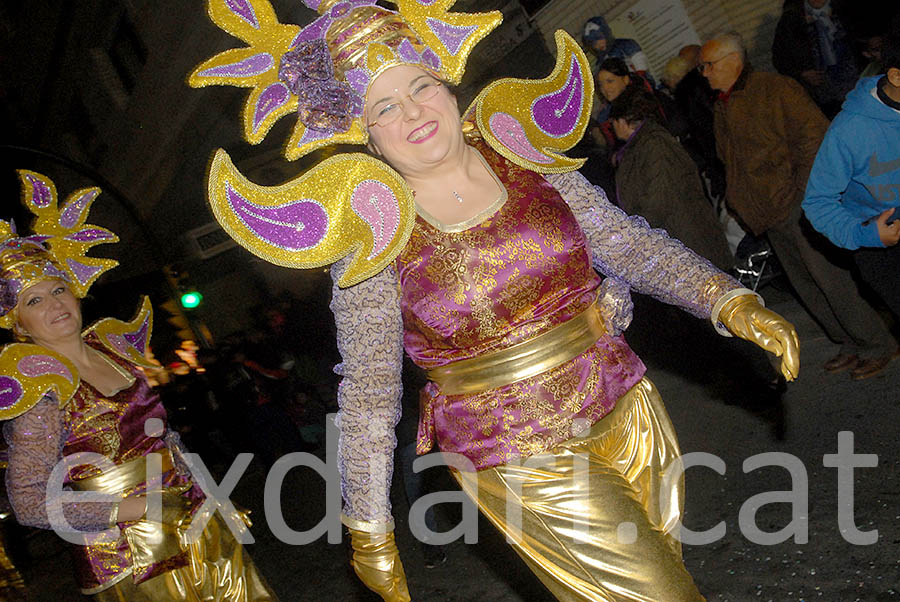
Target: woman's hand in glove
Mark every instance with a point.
(746, 318)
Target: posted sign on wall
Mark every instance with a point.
(661, 27)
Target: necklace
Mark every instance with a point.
(456, 196)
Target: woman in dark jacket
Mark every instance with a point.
(657, 179)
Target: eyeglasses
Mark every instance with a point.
(704, 65)
(391, 112)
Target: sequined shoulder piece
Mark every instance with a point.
(530, 122)
(29, 372)
(127, 340)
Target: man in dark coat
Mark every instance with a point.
(768, 131)
(812, 46)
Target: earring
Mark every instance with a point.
(20, 334)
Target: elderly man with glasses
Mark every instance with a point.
(768, 131)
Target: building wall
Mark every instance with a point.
(754, 19)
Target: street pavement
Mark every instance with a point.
(814, 562)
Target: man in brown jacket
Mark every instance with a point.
(768, 131)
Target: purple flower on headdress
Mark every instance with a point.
(9, 296)
(325, 104)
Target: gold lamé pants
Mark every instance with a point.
(220, 570)
(590, 517)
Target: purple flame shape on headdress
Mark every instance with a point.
(82, 271)
(248, 67)
(556, 114)
(451, 36)
(40, 196)
(244, 10)
(270, 99)
(325, 104)
(74, 211)
(292, 226)
(89, 235)
(9, 295)
(11, 392)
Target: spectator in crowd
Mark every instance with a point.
(599, 141)
(598, 38)
(812, 46)
(613, 78)
(673, 72)
(872, 53)
(767, 133)
(657, 179)
(693, 100)
(854, 187)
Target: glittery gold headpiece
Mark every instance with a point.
(57, 249)
(324, 70)
(353, 203)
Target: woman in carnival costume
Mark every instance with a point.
(472, 243)
(83, 420)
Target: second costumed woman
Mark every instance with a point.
(472, 244)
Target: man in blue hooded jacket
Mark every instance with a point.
(853, 191)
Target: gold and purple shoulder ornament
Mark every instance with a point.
(352, 202)
(30, 372)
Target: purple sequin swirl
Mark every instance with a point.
(325, 104)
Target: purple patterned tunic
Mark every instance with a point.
(111, 426)
(515, 275)
(452, 296)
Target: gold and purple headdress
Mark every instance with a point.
(352, 202)
(57, 250)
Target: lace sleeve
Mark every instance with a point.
(179, 453)
(35, 440)
(370, 340)
(652, 263)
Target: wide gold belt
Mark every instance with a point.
(522, 360)
(124, 476)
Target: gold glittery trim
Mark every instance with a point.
(476, 219)
(331, 184)
(515, 97)
(523, 360)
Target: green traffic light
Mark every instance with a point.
(191, 300)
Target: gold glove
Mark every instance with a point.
(376, 561)
(173, 508)
(746, 318)
(158, 536)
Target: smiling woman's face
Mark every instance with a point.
(48, 312)
(423, 134)
(611, 85)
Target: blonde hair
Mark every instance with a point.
(675, 70)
